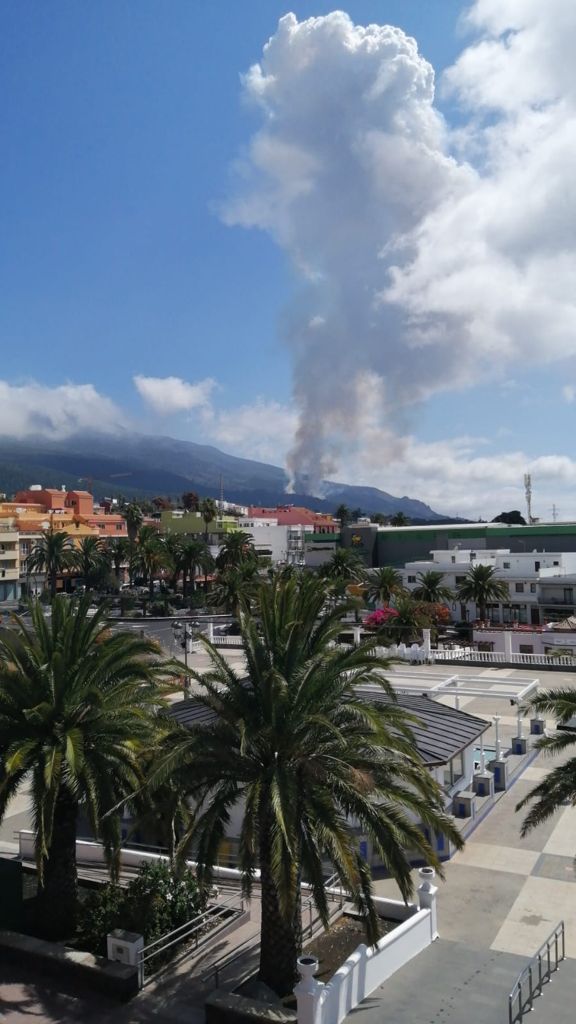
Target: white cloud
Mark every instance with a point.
(35, 410)
(168, 395)
(431, 257)
(569, 393)
(262, 430)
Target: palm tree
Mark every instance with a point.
(172, 545)
(208, 511)
(195, 556)
(90, 559)
(309, 758)
(558, 788)
(399, 519)
(384, 584)
(235, 586)
(407, 624)
(150, 555)
(343, 514)
(52, 554)
(161, 813)
(238, 547)
(118, 551)
(431, 589)
(343, 565)
(134, 518)
(76, 708)
(482, 586)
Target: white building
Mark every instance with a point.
(281, 544)
(541, 584)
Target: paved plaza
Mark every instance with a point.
(501, 898)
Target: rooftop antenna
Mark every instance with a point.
(221, 489)
(528, 491)
(554, 513)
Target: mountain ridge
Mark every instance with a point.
(147, 465)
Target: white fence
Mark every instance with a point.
(88, 852)
(419, 655)
(368, 967)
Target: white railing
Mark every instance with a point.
(419, 655)
(227, 641)
(369, 967)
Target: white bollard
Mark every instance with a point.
(308, 990)
(427, 893)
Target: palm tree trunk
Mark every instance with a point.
(57, 899)
(280, 935)
(53, 584)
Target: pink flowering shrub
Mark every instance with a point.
(380, 617)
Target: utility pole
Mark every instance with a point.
(554, 513)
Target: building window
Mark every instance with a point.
(453, 771)
(505, 565)
(411, 579)
(526, 648)
(536, 566)
(453, 559)
(486, 645)
(532, 588)
(460, 580)
(519, 588)
(568, 595)
(555, 563)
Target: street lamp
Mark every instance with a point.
(182, 632)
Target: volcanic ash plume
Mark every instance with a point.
(420, 271)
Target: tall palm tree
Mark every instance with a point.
(195, 556)
(118, 551)
(150, 555)
(482, 586)
(134, 518)
(343, 513)
(308, 757)
(172, 545)
(399, 519)
(238, 547)
(53, 553)
(208, 511)
(234, 586)
(384, 584)
(558, 788)
(76, 708)
(161, 814)
(431, 589)
(343, 565)
(90, 559)
(410, 619)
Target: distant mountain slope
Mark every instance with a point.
(139, 464)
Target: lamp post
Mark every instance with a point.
(181, 632)
(498, 749)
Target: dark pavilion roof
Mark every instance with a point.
(441, 733)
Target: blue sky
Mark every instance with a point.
(121, 127)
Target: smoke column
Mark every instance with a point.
(430, 256)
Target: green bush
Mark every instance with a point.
(154, 903)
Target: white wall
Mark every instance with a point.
(369, 967)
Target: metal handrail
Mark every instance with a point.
(535, 975)
(188, 930)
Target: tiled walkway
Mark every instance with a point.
(501, 898)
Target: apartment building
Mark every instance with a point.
(9, 564)
(541, 584)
